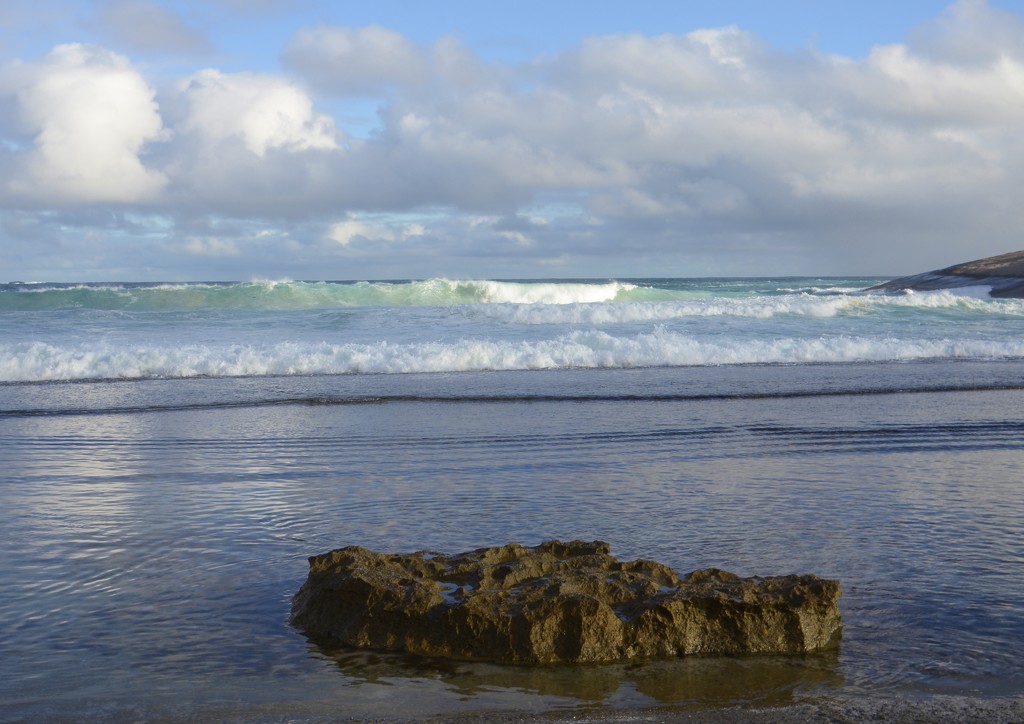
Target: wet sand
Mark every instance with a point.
(837, 711)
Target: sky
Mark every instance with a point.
(173, 140)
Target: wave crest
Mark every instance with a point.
(38, 361)
(287, 295)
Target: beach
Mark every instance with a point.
(157, 524)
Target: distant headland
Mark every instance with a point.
(1003, 273)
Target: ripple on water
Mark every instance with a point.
(154, 558)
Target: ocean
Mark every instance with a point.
(171, 454)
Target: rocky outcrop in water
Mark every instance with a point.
(1003, 273)
(554, 603)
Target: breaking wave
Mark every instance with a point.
(38, 361)
(757, 307)
(286, 295)
(536, 302)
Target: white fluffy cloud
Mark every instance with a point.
(263, 112)
(88, 114)
(626, 150)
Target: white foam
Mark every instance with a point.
(629, 312)
(978, 291)
(976, 297)
(973, 299)
(492, 292)
(39, 361)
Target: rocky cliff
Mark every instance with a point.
(1003, 273)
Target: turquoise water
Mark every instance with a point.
(295, 295)
(78, 332)
(166, 472)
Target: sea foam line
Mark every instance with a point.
(988, 428)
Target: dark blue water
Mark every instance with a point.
(153, 532)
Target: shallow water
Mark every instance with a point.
(154, 531)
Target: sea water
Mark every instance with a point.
(170, 455)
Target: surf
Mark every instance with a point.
(92, 360)
(297, 295)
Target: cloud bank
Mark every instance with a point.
(701, 153)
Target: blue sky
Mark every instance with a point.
(245, 34)
(230, 140)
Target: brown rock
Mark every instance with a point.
(557, 602)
